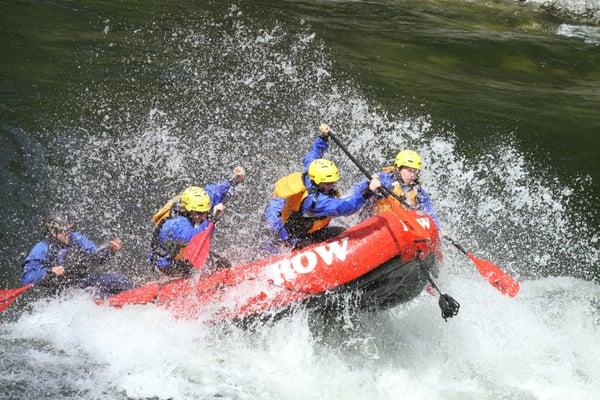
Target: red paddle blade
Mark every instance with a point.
(498, 278)
(196, 251)
(8, 296)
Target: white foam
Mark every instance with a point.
(542, 344)
(545, 343)
(583, 10)
(589, 34)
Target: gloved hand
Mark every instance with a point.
(239, 175)
(374, 184)
(373, 187)
(58, 270)
(381, 193)
(218, 209)
(115, 245)
(324, 129)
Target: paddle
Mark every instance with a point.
(197, 250)
(396, 209)
(8, 296)
(447, 304)
(495, 276)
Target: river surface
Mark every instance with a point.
(109, 108)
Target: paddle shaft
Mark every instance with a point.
(497, 271)
(333, 137)
(456, 244)
(429, 278)
(362, 169)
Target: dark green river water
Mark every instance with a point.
(108, 108)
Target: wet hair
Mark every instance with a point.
(58, 220)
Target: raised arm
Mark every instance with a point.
(319, 146)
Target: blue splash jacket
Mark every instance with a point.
(315, 204)
(180, 230)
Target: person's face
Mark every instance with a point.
(326, 187)
(408, 174)
(198, 217)
(63, 235)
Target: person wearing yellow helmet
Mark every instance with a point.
(402, 179)
(304, 203)
(187, 215)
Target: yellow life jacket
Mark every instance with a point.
(159, 218)
(165, 211)
(410, 196)
(292, 189)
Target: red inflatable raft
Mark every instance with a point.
(379, 262)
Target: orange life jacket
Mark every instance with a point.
(165, 211)
(292, 189)
(159, 218)
(410, 197)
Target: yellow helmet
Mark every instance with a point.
(323, 171)
(408, 158)
(195, 199)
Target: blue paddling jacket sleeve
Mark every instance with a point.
(317, 150)
(321, 205)
(38, 263)
(218, 191)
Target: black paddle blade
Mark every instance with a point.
(449, 306)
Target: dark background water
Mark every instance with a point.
(486, 73)
(108, 108)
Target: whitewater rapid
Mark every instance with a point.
(582, 18)
(543, 344)
(580, 10)
(236, 93)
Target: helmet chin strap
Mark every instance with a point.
(329, 192)
(320, 189)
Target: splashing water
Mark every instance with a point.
(578, 10)
(233, 93)
(589, 34)
(255, 97)
(141, 352)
